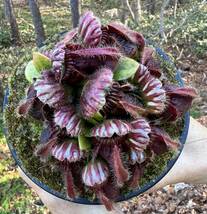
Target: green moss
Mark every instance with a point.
(167, 67)
(174, 129)
(169, 70)
(23, 134)
(156, 167)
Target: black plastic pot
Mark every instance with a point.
(137, 191)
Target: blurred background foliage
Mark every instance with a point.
(184, 24)
(178, 26)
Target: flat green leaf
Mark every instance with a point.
(125, 69)
(41, 62)
(84, 143)
(31, 72)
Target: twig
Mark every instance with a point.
(180, 55)
(161, 30)
(130, 9)
(175, 8)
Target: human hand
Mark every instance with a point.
(60, 206)
(191, 167)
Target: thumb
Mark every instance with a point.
(59, 206)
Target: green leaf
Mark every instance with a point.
(84, 143)
(41, 62)
(125, 69)
(31, 72)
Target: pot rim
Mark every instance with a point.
(127, 196)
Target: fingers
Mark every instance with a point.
(191, 166)
(195, 154)
(60, 206)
